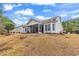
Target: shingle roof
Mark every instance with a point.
(53, 20)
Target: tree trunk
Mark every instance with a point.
(8, 32)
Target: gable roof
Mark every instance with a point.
(29, 22)
(53, 20)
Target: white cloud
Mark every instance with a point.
(25, 12)
(63, 12)
(24, 17)
(54, 4)
(17, 22)
(75, 16)
(25, 22)
(47, 17)
(74, 11)
(7, 7)
(42, 18)
(47, 10)
(63, 15)
(70, 12)
(17, 5)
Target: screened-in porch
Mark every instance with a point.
(34, 28)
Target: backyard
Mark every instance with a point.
(39, 45)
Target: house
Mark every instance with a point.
(18, 29)
(52, 25)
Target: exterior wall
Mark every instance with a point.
(22, 30)
(58, 27)
(45, 30)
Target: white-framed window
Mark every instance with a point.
(47, 27)
(53, 27)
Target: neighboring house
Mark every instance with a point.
(18, 29)
(52, 25)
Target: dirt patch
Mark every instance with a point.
(40, 44)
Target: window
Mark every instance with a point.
(45, 27)
(48, 27)
(53, 27)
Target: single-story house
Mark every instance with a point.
(52, 25)
(18, 29)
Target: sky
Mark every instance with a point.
(21, 13)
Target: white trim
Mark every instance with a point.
(47, 29)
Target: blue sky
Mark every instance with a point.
(21, 13)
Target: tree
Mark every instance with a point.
(9, 26)
(5, 23)
(2, 30)
(71, 25)
(1, 12)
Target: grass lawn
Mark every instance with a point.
(39, 45)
